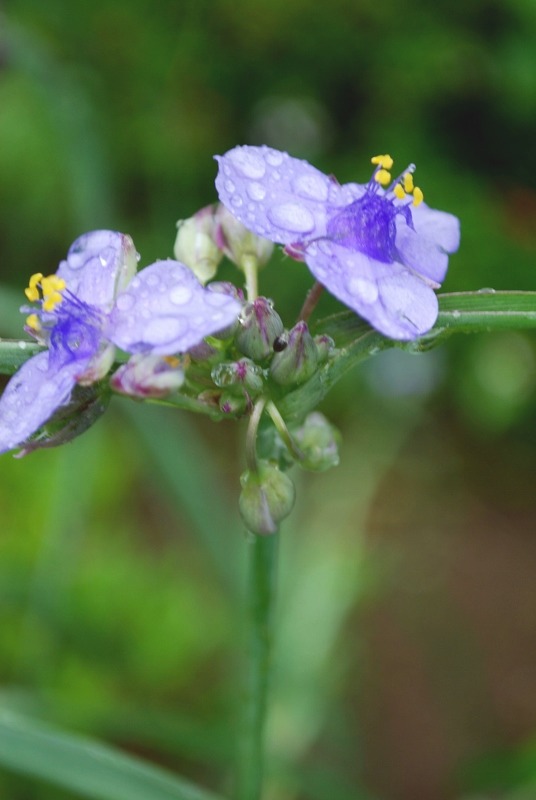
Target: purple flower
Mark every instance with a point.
(94, 302)
(381, 251)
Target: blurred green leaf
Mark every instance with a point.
(85, 766)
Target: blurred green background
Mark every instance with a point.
(406, 662)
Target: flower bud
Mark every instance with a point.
(325, 347)
(195, 244)
(239, 373)
(318, 440)
(235, 405)
(148, 376)
(238, 242)
(267, 497)
(258, 327)
(298, 360)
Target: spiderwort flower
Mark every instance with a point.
(377, 247)
(92, 304)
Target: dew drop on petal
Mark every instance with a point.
(236, 201)
(365, 290)
(311, 186)
(256, 191)
(179, 295)
(248, 164)
(274, 158)
(229, 186)
(163, 330)
(292, 217)
(125, 302)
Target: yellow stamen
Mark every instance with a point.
(32, 321)
(383, 177)
(408, 182)
(51, 301)
(385, 161)
(173, 361)
(418, 196)
(399, 192)
(32, 292)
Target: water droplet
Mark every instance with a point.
(456, 314)
(365, 290)
(229, 186)
(236, 201)
(248, 164)
(22, 345)
(486, 290)
(125, 302)
(275, 175)
(163, 330)
(256, 191)
(274, 158)
(292, 217)
(179, 295)
(312, 186)
(152, 280)
(103, 261)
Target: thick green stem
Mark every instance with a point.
(262, 562)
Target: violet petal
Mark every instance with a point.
(166, 310)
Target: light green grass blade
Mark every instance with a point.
(85, 766)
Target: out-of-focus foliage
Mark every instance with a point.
(407, 606)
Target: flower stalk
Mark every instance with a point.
(261, 590)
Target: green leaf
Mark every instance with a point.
(85, 766)
(463, 312)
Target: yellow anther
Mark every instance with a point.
(385, 162)
(399, 192)
(408, 182)
(51, 301)
(383, 177)
(418, 196)
(32, 292)
(32, 321)
(173, 361)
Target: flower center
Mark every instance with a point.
(368, 224)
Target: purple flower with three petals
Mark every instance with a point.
(94, 303)
(377, 247)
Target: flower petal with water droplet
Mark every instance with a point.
(171, 311)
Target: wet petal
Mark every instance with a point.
(98, 265)
(278, 197)
(438, 226)
(31, 397)
(389, 296)
(165, 310)
(422, 255)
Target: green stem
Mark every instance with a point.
(262, 563)
(283, 431)
(250, 266)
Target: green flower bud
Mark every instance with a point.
(325, 347)
(298, 360)
(319, 442)
(195, 244)
(235, 405)
(238, 242)
(258, 327)
(267, 497)
(239, 373)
